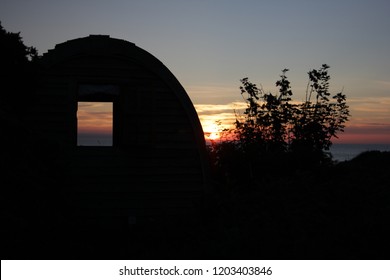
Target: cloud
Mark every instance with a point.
(369, 121)
(210, 114)
(213, 108)
(369, 110)
(94, 117)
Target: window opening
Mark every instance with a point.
(94, 123)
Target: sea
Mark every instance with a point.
(343, 152)
(340, 152)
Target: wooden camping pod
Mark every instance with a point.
(157, 161)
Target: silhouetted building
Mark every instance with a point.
(156, 160)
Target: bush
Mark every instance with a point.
(275, 133)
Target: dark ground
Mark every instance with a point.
(334, 212)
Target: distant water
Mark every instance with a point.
(342, 152)
(94, 140)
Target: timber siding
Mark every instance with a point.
(157, 163)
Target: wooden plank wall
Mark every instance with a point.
(155, 165)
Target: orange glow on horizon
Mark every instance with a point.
(94, 117)
(353, 134)
(94, 123)
(369, 122)
(97, 118)
(362, 138)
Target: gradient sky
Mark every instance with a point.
(209, 45)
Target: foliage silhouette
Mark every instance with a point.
(19, 68)
(18, 80)
(32, 209)
(276, 133)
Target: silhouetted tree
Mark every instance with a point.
(274, 131)
(29, 193)
(18, 80)
(273, 124)
(18, 63)
(267, 117)
(316, 122)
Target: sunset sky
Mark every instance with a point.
(209, 45)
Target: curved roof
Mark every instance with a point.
(104, 45)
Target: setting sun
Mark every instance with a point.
(211, 129)
(213, 136)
